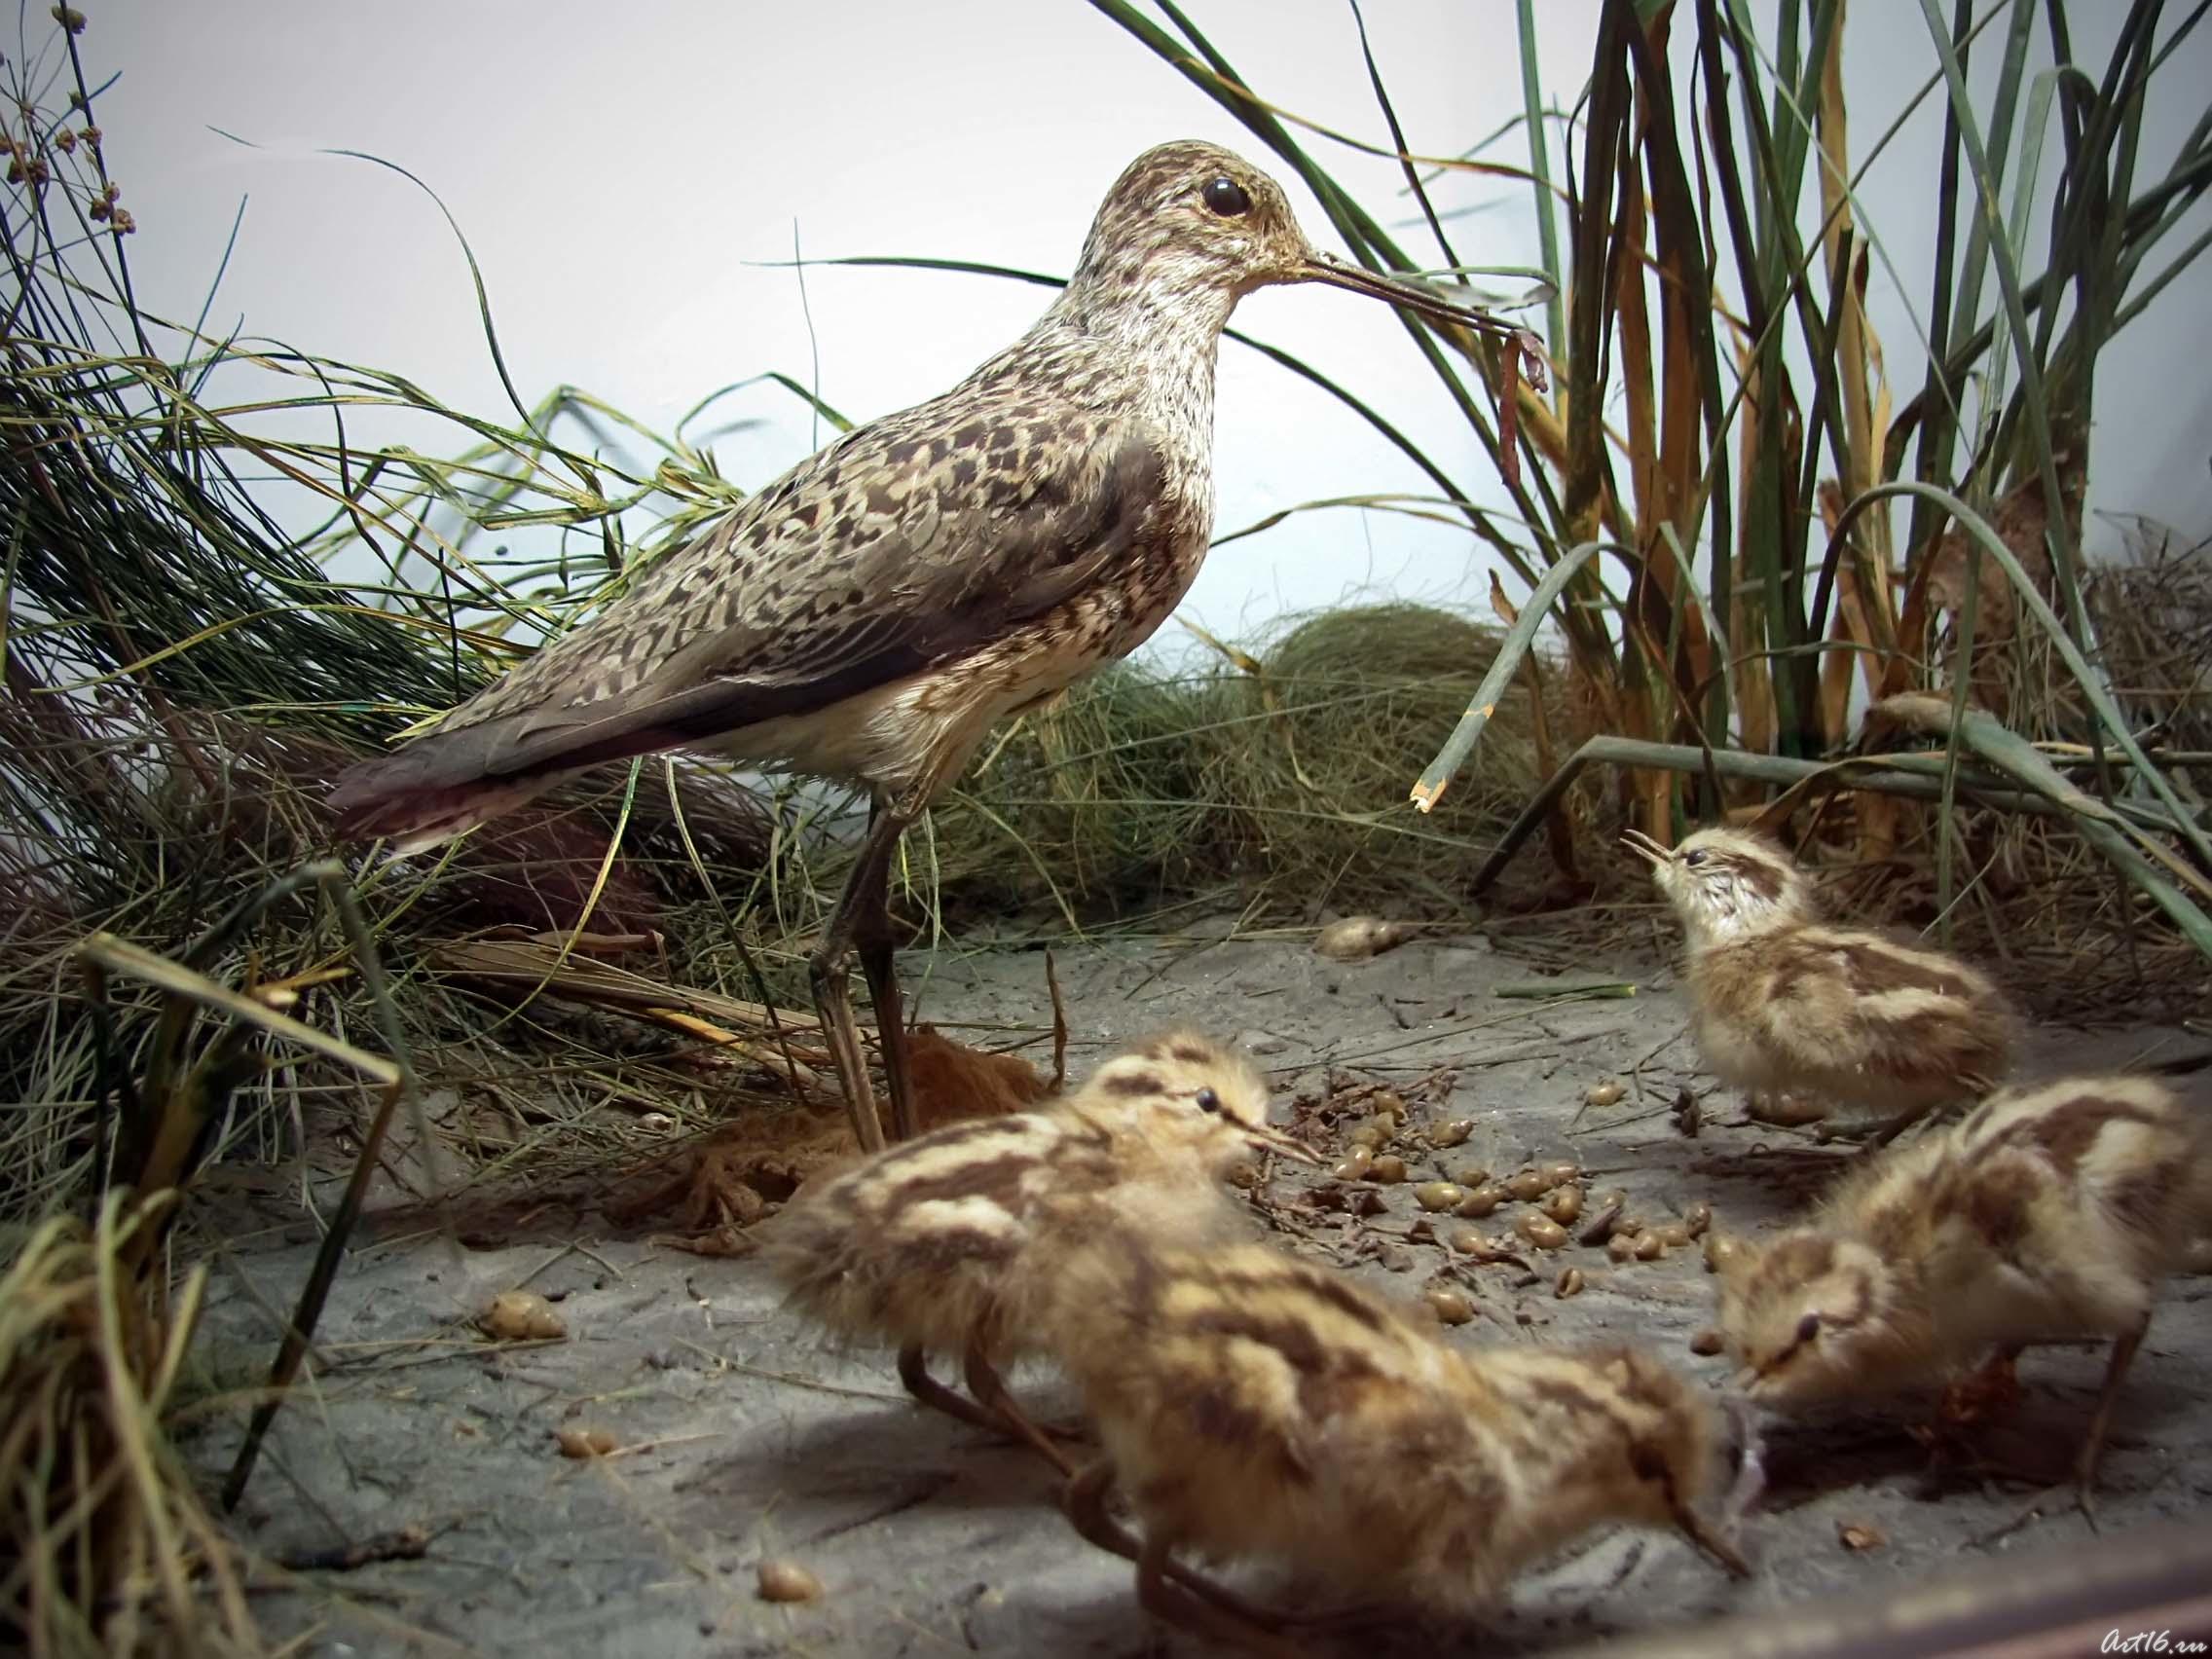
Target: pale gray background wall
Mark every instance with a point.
(616, 168)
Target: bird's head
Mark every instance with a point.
(1192, 227)
(1185, 1098)
(1725, 882)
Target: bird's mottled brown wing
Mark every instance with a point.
(904, 544)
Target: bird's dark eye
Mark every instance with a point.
(1226, 196)
(1209, 1100)
(1808, 1327)
(1694, 859)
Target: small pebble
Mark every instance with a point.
(516, 1315)
(1358, 937)
(788, 1581)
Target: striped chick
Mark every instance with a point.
(1251, 1405)
(932, 1246)
(1780, 1002)
(2047, 1213)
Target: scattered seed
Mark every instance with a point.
(1481, 1201)
(1437, 1195)
(1390, 1105)
(1388, 1168)
(1569, 1283)
(1354, 1165)
(788, 1581)
(1541, 1231)
(1621, 1247)
(1707, 1341)
(1858, 1535)
(1719, 1251)
(1472, 1175)
(1560, 1175)
(1452, 1133)
(1649, 1246)
(1529, 1185)
(1451, 1307)
(1358, 937)
(1604, 1094)
(1564, 1204)
(1697, 1218)
(584, 1442)
(1601, 1225)
(1672, 1234)
(1368, 1135)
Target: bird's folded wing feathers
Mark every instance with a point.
(782, 611)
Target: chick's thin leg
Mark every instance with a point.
(1086, 1499)
(2093, 1446)
(861, 916)
(914, 1372)
(1197, 1615)
(991, 1394)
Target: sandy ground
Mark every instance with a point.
(744, 1438)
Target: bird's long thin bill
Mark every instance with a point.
(1340, 274)
(1276, 1141)
(1643, 846)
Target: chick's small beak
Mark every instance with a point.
(1646, 848)
(1421, 300)
(1275, 1140)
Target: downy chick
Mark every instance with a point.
(2051, 1212)
(1251, 1405)
(930, 1244)
(1780, 1002)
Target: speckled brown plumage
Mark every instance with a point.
(1252, 1406)
(870, 614)
(1780, 1002)
(2048, 1212)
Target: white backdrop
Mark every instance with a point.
(619, 170)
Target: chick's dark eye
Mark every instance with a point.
(1694, 859)
(1226, 196)
(1808, 1327)
(1209, 1100)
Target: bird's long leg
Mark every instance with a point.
(914, 1372)
(878, 953)
(861, 918)
(991, 1394)
(2093, 1446)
